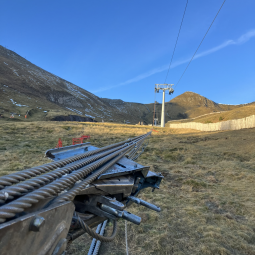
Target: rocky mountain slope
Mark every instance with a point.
(25, 87)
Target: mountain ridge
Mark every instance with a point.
(25, 86)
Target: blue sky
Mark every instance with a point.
(120, 49)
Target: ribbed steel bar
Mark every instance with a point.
(11, 209)
(11, 179)
(98, 243)
(93, 243)
(22, 188)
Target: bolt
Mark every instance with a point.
(37, 223)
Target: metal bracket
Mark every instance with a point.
(109, 208)
(92, 206)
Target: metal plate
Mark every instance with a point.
(124, 166)
(69, 151)
(115, 185)
(17, 238)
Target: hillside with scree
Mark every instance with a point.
(25, 87)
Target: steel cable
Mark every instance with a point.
(69, 195)
(35, 183)
(19, 205)
(92, 233)
(27, 186)
(176, 41)
(126, 237)
(11, 179)
(200, 43)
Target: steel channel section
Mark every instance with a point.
(67, 151)
(123, 167)
(116, 185)
(16, 236)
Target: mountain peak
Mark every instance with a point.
(193, 99)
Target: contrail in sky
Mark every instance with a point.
(242, 39)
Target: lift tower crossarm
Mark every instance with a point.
(164, 87)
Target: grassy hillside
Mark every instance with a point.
(25, 86)
(237, 113)
(207, 196)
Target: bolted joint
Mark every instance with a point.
(37, 223)
(121, 214)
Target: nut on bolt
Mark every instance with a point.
(37, 223)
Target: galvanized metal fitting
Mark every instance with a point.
(144, 203)
(121, 214)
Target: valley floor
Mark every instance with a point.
(207, 196)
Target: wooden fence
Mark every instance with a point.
(248, 122)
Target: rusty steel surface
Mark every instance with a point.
(19, 239)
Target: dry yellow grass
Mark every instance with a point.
(207, 196)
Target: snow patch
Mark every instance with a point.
(74, 110)
(15, 103)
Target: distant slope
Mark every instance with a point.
(237, 113)
(27, 87)
(190, 105)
